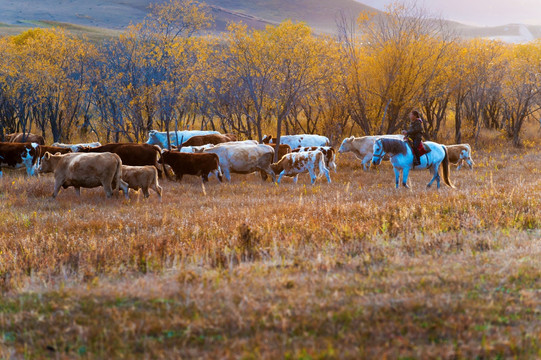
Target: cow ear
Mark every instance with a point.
(47, 155)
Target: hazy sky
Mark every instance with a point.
(479, 12)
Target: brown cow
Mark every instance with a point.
(25, 137)
(85, 170)
(282, 150)
(214, 139)
(192, 164)
(460, 154)
(18, 155)
(142, 177)
(42, 149)
(130, 153)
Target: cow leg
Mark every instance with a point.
(460, 162)
(227, 174)
(264, 175)
(125, 189)
(145, 192)
(205, 178)
(218, 175)
(57, 186)
(78, 190)
(313, 176)
(280, 177)
(179, 177)
(108, 188)
(366, 161)
(158, 189)
(327, 175)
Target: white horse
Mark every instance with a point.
(402, 160)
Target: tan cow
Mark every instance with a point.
(460, 154)
(142, 177)
(85, 170)
(25, 137)
(363, 146)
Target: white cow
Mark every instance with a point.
(76, 147)
(243, 158)
(363, 146)
(194, 149)
(200, 149)
(176, 137)
(297, 141)
(296, 163)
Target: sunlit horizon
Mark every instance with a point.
(478, 12)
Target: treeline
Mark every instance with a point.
(166, 74)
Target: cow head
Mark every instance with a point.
(153, 138)
(48, 163)
(266, 139)
(277, 168)
(465, 155)
(29, 158)
(346, 145)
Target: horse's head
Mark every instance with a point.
(465, 155)
(377, 152)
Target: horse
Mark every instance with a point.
(402, 160)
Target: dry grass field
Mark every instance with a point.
(252, 270)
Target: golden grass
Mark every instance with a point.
(254, 270)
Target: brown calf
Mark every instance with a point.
(192, 164)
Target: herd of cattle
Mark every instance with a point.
(200, 153)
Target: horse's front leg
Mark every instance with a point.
(405, 174)
(396, 176)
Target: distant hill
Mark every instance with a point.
(101, 18)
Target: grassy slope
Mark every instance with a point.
(320, 14)
(348, 269)
(90, 32)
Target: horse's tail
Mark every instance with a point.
(446, 170)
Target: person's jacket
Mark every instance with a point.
(415, 131)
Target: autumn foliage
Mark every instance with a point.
(170, 72)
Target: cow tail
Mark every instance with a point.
(118, 175)
(321, 164)
(159, 157)
(445, 166)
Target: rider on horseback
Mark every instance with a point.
(415, 133)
